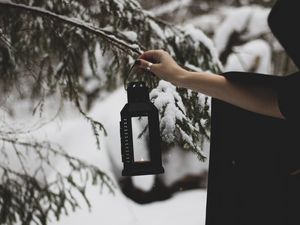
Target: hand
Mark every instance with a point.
(163, 65)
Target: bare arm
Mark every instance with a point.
(253, 98)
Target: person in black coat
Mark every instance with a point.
(254, 168)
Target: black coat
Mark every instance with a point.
(254, 159)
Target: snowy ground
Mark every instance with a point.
(185, 208)
(75, 135)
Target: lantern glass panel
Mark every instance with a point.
(140, 137)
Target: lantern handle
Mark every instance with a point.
(126, 77)
(129, 72)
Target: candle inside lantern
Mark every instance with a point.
(140, 137)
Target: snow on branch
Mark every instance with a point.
(165, 99)
(77, 23)
(47, 45)
(170, 7)
(125, 30)
(248, 21)
(175, 125)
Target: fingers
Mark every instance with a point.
(146, 65)
(154, 56)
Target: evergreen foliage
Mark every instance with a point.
(43, 45)
(28, 196)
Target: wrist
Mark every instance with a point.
(182, 78)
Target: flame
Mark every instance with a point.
(142, 159)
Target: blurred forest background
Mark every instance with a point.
(62, 89)
(237, 27)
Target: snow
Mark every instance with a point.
(58, 67)
(251, 21)
(144, 183)
(184, 208)
(80, 23)
(257, 24)
(131, 35)
(108, 28)
(101, 62)
(208, 23)
(165, 95)
(178, 163)
(183, 160)
(75, 136)
(254, 54)
(185, 137)
(120, 4)
(108, 112)
(201, 98)
(157, 29)
(235, 22)
(276, 46)
(204, 5)
(199, 36)
(170, 7)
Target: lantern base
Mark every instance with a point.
(141, 168)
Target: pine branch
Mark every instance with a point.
(27, 198)
(77, 23)
(189, 46)
(96, 126)
(134, 49)
(46, 47)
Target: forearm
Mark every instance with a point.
(253, 98)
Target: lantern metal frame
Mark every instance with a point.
(139, 105)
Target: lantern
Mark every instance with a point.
(140, 156)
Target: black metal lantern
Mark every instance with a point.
(140, 109)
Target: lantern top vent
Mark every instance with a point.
(137, 92)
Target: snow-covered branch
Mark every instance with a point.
(70, 34)
(109, 36)
(170, 7)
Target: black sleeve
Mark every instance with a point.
(265, 80)
(286, 87)
(288, 93)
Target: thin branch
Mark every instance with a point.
(134, 48)
(107, 35)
